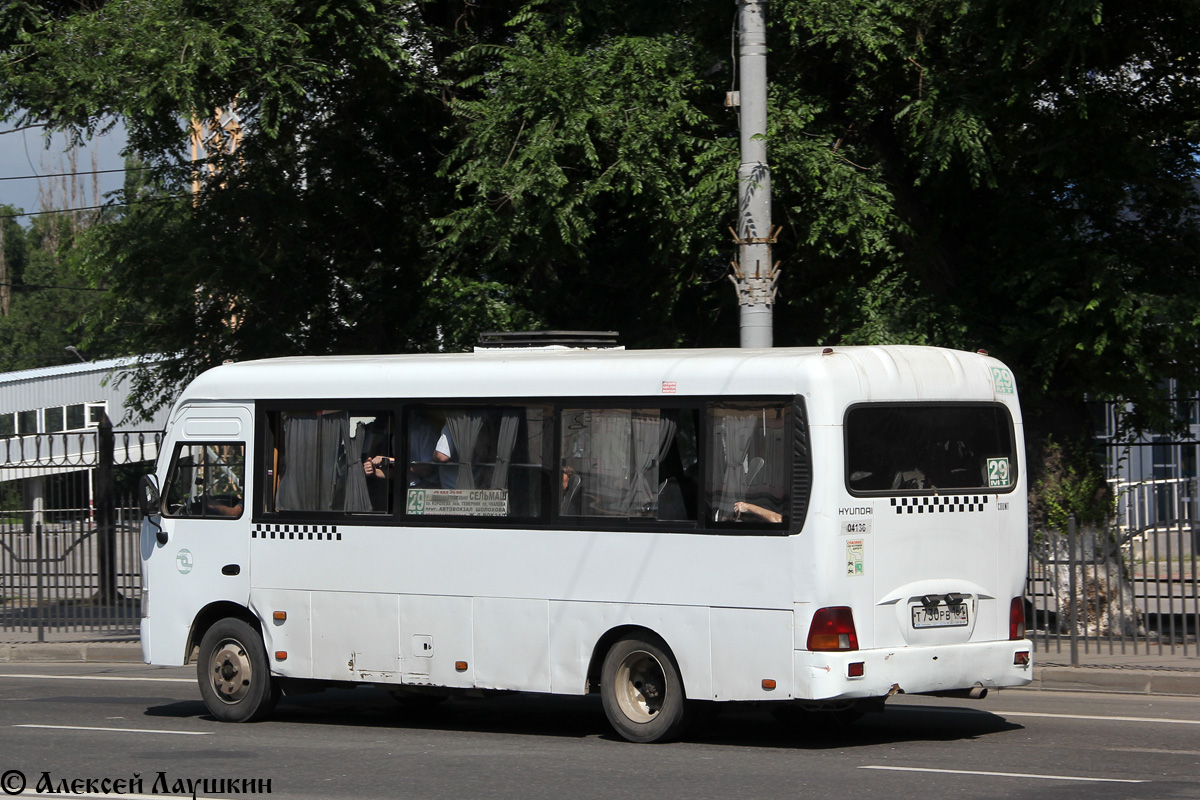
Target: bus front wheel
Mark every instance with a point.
(234, 674)
(642, 691)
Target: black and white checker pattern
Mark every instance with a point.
(311, 533)
(937, 504)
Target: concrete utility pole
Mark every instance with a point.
(754, 275)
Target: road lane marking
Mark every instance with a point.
(1003, 774)
(1045, 715)
(95, 678)
(115, 730)
(1100, 718)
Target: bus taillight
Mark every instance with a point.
(1016, 619)
(833, 629)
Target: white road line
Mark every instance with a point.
(1003, 774)
(115, 730)
(1045, 715)
(95, 678)
(1091, 717)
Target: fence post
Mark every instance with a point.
(104, 492)
(1073, 585)
(41, 580)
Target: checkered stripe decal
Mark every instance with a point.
(953, 504)
(319, 533)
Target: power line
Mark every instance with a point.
(36, 287)
(93, 208)
(70, 174)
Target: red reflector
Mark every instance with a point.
(832, 629)
(1021, 659)
(1016, 619)
(856, 669)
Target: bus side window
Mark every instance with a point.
(747, 463)
(206, 480)
(626, 463)
(331, 460)
(475, 461)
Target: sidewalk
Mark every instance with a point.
(1147, 672)
(1144, 673)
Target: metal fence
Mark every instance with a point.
(1132, 588)
(70, 566)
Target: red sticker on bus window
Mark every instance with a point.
(668, 387)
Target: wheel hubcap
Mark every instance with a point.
(641, 686)
(230, 671)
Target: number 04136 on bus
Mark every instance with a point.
(798, 528)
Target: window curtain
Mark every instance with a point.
(314, 460)
(732, 465)
(652, 436)
(358, 496)
(464, 428)
(506, 442)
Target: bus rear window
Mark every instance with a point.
(898, 448)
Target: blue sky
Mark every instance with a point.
(24, 153)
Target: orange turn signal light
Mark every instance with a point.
(768, 684)
(279, 615)
(461, 666)
(281, 655)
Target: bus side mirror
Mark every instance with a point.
(148, 495)
(149, 501)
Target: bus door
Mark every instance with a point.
(205, 557)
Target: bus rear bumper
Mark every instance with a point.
(911, 670)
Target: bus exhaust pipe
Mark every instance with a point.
(976, 692)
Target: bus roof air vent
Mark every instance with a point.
(547, 340)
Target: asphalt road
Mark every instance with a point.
(76, 722)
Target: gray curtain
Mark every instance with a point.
(314, 461)
(652, 437)
(733, 436)
(505, 443)
(464, 428)
(357, 495)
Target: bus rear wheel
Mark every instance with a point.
(234, 674)
(642, 691)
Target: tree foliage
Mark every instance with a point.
(1013, 176)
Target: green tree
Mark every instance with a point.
(997, 174)
(52, 304)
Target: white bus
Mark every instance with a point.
(814, 529)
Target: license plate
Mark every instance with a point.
(939, 616)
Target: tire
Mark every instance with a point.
(642, 691)
(234, 674)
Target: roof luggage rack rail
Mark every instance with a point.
(492, 340)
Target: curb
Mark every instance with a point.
(57, 652)
(1118, 680)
